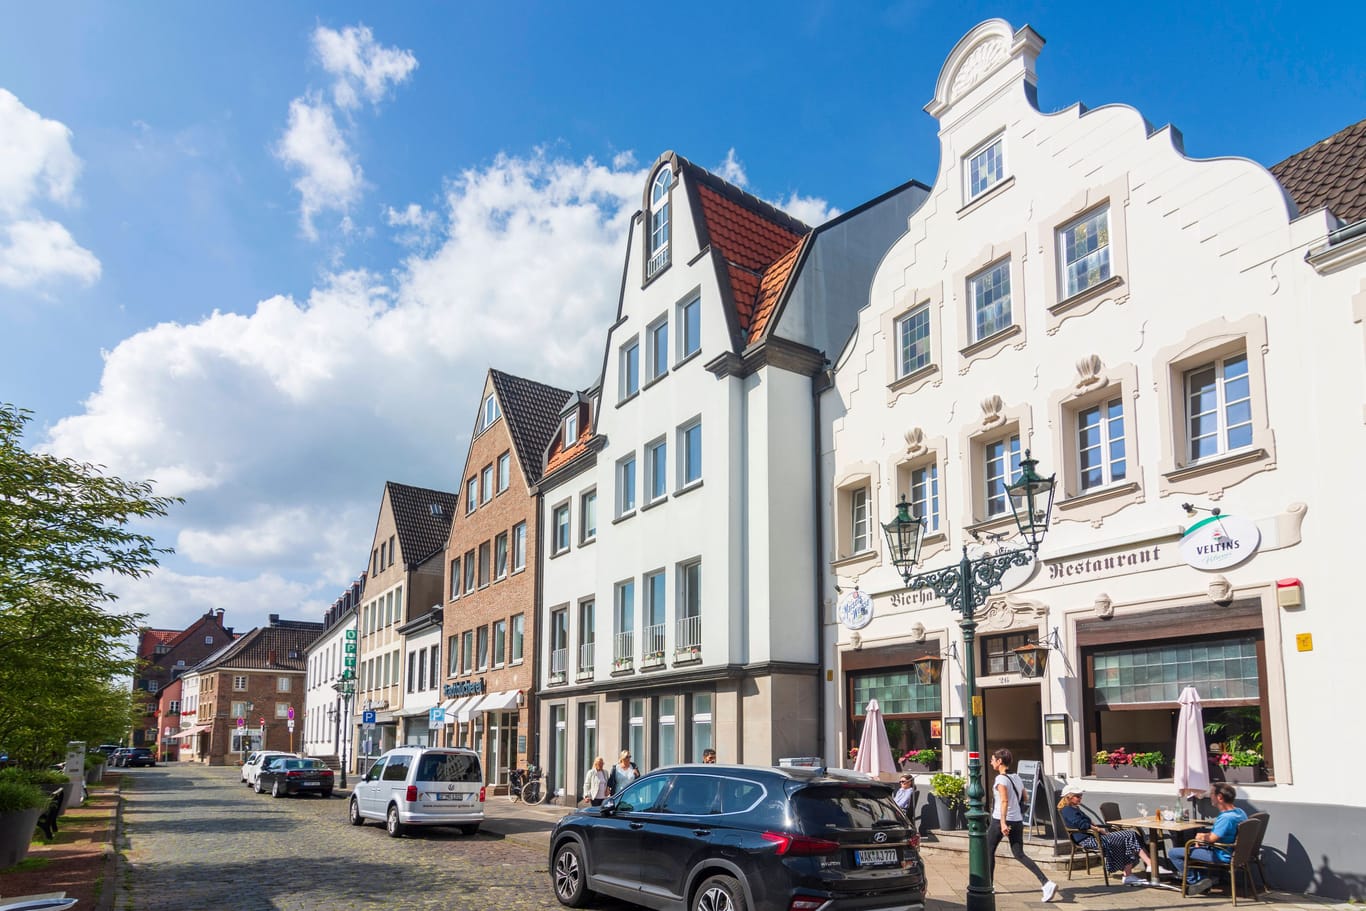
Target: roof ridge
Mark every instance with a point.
(745, 198)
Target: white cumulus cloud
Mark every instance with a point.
(37, 165)
(364, 68)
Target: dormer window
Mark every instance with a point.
(571, 430)
(491, 412)
(659, 222)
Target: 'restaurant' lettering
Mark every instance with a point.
(1111, 564)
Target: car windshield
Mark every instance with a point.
(821, 809)
(449, 767)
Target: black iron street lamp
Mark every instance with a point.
(965, 587)
(346, 688)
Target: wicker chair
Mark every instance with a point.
(1085, 851)
(1265, 820)
(1109, 811)
(1240, 857)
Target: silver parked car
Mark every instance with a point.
(421, 786)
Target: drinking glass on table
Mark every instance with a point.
(1143, 811)
(1164, 813)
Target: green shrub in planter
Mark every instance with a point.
(17, 796)
(949, 788)
(94, 760)
(45, 779)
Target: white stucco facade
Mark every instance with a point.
(323, 733)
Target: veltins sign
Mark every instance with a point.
(1219, 542)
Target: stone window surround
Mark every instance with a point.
(1015, 250)
(856, 476)
(1095, 384)
(997, 421)
(904, 302)
(965, 166)
(921, 452)
(1113, 195)
(1177, 474)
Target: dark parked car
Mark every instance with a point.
(120, 756)
(283, 775)
(724, 838)
(139, 756)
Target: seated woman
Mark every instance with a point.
(1121, 848)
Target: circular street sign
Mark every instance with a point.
(241, 722)
(291, 713)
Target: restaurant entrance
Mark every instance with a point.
(1013, 720)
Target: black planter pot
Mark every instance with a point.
(16, 834)
(949, 818)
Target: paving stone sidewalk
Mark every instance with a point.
(79, 861)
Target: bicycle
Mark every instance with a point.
(526, 785)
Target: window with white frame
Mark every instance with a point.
(656, 470)
(500, 556)
(630, 369)
(559, 644)
(989, 296)
(701, 725)
(560, 529)
(1218, 407)
(517, 637)
(655, 605)
(1084, 250)
(469, 571)
(519, 547)
(467, 652)
(587, 634)
(485, 564)
(283, 684)
(239, 710)
(239, 683)
(152, 686)
(482, 647)
(486, 484)
(690, 453)
(504, 471)
(471, 495)
(860, 538)
(659, 222)
(657, 363)
(1001, 468)
(491, 412)
(688, 635)
(500, 642)
(571, 429)
(282, 710)
(689, 328)
(1101, 457)
(626, 485)
(174, 707)
(985, 167)
(455, 578)
(588, 515)
(924, 496)
(913, 341)
(624, 621)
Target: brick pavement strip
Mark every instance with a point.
(196, 839)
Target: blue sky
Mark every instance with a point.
(264, 254)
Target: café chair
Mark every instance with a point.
(1240, 857)
(1265, 819)
(1088, 852)
(1109, 811)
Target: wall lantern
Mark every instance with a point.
(1032, 657)
(928, 669)
(1056, 731)
(521, 699)
(953, 731)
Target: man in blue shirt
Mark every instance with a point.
(1224, 831)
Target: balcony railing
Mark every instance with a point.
(559, 659)
(654, 645)
(688, 637)
(623, 650)
(585, 671)
(657, 263)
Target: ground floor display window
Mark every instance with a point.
(588, 738)
(1132, 690)
(911, 710)
(559, 744)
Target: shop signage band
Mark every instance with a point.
(465, 688)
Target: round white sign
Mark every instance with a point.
(1219, 542)
(856, 610)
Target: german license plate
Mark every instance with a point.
(875, 857)
(450, 796)
(311, 784)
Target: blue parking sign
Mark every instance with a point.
(367, 717)
(438, 715)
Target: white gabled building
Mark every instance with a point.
(1179, 342)
(327, 711)
(680, 607)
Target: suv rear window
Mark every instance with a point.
(449, 767)
(820, 809)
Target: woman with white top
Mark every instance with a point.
(1008, 821)
(623, 773)
(595, 783)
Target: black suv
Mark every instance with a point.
(139, 756)
(726, 838)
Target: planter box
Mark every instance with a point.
(1245, 774)
(947, 818)
(16, 834)
(1131, 772)
(919, 768)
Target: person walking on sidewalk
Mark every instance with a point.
(623, 773)
(595, 783)
(1008, 821)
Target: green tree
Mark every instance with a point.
(66, 531)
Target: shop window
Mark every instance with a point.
(701, 726)
(908, 707)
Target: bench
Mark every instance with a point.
(48, 821)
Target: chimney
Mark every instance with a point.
(270, 657)
(274, 619)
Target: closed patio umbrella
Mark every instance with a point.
(1191, 765)
(874, 749)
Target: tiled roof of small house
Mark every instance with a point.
(422, 530)
(532, 412)
(254, 650)
(561, 455)
(1330, 173)
(149, 639)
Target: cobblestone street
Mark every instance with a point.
(197, 838)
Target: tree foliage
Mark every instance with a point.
(66, 530)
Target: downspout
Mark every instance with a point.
(532, 701)
(819, 383)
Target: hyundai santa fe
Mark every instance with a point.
(727, 838)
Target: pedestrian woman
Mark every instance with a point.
(595, 783)
(623, 773)
(1007, 822)
(1120, 848)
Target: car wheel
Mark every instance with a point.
(276, 790)
(392, 824)
(356, 818)
(569, 876)
(470, 830)
(719, 893)
(257, 787)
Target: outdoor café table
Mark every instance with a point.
(1156, 828)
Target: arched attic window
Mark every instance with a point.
(659, 222)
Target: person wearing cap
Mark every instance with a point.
(1121, 849)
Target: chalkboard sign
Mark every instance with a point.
(1029, 771)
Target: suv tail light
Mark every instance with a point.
(481, 793)
(914, 840)
(411, 795)
(800, 845)
(802, 903)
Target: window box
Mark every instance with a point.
(1131, 772)
(920, 768)
(652, 659)
(622, 664)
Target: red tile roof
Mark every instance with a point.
(1331, 173)
(151, 638)
(560, 455)
(771, 288)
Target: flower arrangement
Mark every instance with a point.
(926, 757)
(1241, 759)
(853, 752)
(1120, 756)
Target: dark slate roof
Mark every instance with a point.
(532, 412)
(422, 531)
(253, 650)
(1330, 173)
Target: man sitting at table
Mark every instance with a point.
(1223, 831)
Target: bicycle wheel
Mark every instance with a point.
(533, 793)
(514, 792)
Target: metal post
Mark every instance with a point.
(980, 896)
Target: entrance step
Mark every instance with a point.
(1039, 848)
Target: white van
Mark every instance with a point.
(421, 786)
